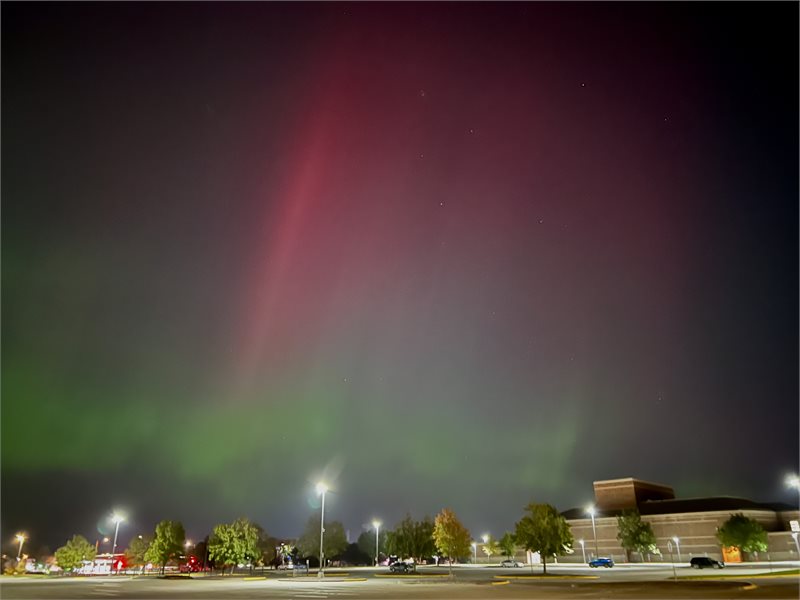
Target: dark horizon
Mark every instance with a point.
(460, 255)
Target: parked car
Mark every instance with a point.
(601, 562)
(402, 567)
(510, 563)
(701, 562)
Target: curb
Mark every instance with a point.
(418, 576)
(545, 577)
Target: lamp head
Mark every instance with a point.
(376, 524)
(321, 488)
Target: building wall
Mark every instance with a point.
(619, 494)
(696, 533)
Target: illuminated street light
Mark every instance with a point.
(475, 551)
(592, 511)
(20, 537)
(377, 525)
(116, 518)
(321, 489)
(583, 549)
(678, 546)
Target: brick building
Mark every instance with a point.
(694, 521)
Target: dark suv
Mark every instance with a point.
(701, 562)
(401, 567)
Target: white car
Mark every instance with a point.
(510, 563)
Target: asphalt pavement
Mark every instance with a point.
(563, 581)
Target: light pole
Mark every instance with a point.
(485, 538)
(796, 543)
(117, 519)
(321, 489)
(583, 549)
(377, 525)
(475, 551)
(592, 511)
(677, 541)
(20, 537)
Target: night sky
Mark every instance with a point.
(461, 255)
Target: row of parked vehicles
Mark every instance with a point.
(697, 562)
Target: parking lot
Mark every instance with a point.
(634, 581)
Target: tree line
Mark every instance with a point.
(542, 529)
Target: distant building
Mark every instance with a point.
(694, 521)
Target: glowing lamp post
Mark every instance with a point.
(20, 537)
(485, 538)
(321, 489)
(592, 511)
(677, 541)
(116, 519)
(377, 526)
(475, 551)
(583, 549)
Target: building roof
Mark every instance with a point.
(688, 505)
(684, 505)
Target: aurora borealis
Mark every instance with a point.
(462, 255)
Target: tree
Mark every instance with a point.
(451, 537)
(744, 533)
(366, 542)
(285, 552)
(235, 543)
(353, 555)
(635, 535)
(490, 547)
(167, 543)
(267, 548)
(545, 531)
(225, 548)
(137, 549)
(411, 539)
(508, 544)
(335, 540)
(74, 552)
(248, 535)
